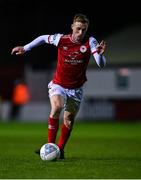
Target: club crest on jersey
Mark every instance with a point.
(83, 49)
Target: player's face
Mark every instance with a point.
(78, 31)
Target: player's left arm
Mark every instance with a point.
(98, 50)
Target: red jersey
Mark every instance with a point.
(73, 59)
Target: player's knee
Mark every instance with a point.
(55, 112)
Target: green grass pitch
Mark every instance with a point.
(95, 150)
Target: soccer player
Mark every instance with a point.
(66, 86)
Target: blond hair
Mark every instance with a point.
(81, 18)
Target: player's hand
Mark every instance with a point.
(19, 50)
(101, 47)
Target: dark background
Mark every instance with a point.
(22, 21)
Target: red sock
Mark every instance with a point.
(53, 125)
(64, 136)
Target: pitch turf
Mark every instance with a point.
(95, 150)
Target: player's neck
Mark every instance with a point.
(74, 40)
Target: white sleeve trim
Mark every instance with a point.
(93, 43)
(54, 39)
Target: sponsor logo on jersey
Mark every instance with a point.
(73, 61)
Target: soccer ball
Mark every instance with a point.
(49, 152)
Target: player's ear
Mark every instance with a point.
(72, 26)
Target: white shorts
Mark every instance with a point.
(72, 97)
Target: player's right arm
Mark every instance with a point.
(50, 39)
(19, 50)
